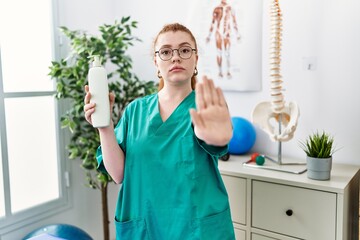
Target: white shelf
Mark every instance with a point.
(252, 188)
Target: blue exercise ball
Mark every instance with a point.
(244, 136)
(58, 231)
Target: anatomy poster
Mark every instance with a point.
(228, 34)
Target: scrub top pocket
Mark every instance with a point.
(216, 227)
(133, 229)
(189, 149)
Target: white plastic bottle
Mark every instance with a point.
(99, 90)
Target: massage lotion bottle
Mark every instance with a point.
(99, 90)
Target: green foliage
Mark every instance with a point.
(71, 77)
(318, 145)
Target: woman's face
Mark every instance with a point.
(176, 70)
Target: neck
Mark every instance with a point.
(170, 98)
(175, 92)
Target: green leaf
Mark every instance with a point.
(72, 126)
(125, 19)
(318, 145)
(65, 123)
(71, 73)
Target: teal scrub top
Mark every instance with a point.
(172, 188)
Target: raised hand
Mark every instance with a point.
(211, 119)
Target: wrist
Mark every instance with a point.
(109, 128)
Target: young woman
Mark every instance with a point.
(165, 149)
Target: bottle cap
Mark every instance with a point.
(96, 62)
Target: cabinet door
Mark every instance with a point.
(236, 188)
(240, 234)
(294, 211)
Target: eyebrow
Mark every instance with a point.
(180, 45)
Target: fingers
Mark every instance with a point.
(199, 96)
(87, 104)
(207, 94)
(112, 98)
(89, 108)
(87, 95)
(89, 111)
(214, 94)
(112, 101)
(222, 101)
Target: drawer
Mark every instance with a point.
(294, 211)
(240, 234)
(255, 236)
(236, 189)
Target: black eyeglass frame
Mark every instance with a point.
(177, 49)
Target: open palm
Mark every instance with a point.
(211, 119)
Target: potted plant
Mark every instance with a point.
(319, 149)
(71, 77)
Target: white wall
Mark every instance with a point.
(328, 97)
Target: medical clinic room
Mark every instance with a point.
(179, 120)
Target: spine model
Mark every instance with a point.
(276, 96)
(276, 117)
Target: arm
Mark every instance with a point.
(211, 27)
(113, 156)
(238, 37)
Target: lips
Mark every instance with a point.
(176, 68)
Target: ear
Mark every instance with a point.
(155, 62)
(196, 60)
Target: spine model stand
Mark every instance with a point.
(283, 115)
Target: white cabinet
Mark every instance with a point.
(293, 209)
(268, 205)
(240, 234)
(236, 188)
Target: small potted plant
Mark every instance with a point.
(319, 149)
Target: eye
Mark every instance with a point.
(165, 52)
(185, 50)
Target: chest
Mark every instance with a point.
(167, 108)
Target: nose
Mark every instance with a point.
(175, 57)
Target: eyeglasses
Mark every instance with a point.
(166, 54)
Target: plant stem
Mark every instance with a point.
(105, 210)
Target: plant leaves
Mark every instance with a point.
(70, 74)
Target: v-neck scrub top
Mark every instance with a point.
(172, 188)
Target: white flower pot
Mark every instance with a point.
(318, 168)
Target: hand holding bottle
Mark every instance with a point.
(89, 107)
(98, 86)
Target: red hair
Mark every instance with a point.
(175, 27)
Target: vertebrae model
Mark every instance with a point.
(285, 115)
(277, 98)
